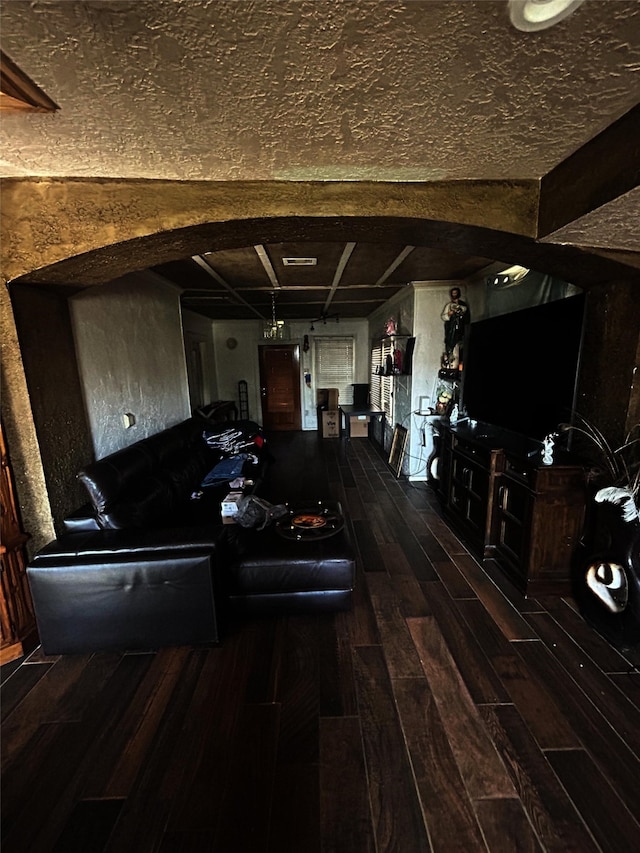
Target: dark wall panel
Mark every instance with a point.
(606, 394)
(48, 353)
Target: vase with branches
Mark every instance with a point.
(619, 466)
(607, 585)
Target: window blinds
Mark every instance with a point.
(334, 367)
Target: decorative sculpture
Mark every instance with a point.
(547, 453)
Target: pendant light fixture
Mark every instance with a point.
(274, 330)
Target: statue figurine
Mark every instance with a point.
(547, 453)
(456, 317)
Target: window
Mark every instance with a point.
(381, 381)
(334, 366)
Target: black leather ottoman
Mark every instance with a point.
(267, 573)
(109, 591)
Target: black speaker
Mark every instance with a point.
(361, 395)
(408, 356)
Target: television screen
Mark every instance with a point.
(520, 369)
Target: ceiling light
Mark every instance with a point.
(324, 318)
(299, 262)
(532, 15)
(507, 278)
(274, 330)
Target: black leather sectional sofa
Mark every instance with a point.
(147, 561)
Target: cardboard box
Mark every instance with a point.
(359, 426)
(331, 424)
(229, 507)
(327, 398)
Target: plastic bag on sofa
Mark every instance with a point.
(258, 513)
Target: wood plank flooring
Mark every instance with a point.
(445, 712)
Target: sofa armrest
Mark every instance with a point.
(81, 519)
(125, 590)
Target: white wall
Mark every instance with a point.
(128, 338)
(198, 334)
(360, 331)
(401, 308)
(236, 357)
(241, 361)
(430, 299)
(417, 313)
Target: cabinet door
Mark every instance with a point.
(468, 494)
(512, 524)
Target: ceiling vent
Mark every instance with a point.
(299, 262)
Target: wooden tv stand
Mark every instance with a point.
(510, 507)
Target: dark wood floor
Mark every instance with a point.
(444, 712)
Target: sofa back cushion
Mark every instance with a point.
(111, 479)
(139, 485)
(147, 483)
(147, 504)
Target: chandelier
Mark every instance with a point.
(275, 329)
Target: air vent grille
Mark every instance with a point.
(299, 262)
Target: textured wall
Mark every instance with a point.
(608, 390)
(197, 331)
(46, 341)
(131, 359)
(22, 439)
(139, 221)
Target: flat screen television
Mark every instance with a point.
(520, 369)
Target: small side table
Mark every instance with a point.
(347, 412)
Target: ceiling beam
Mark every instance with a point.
(18, 92)
(395, 264)
(268, 266)
(603, 169)
(342, 263)
(206, 266)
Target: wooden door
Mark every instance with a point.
(280, 386)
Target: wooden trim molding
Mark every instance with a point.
(18, 93)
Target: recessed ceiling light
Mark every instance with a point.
(532, 15)
(299, 262)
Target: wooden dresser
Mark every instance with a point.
(507, 505)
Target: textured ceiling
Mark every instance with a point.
(320, 90)
(294, 90)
